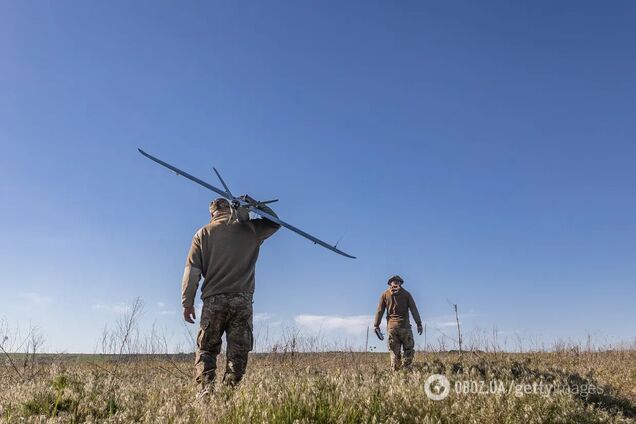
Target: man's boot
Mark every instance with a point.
(204, 394)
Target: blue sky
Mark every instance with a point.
(484, 152)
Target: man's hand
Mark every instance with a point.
(248, 199)
(378, 333)
(189, 315)
(420, 329)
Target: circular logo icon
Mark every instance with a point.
(437, 387)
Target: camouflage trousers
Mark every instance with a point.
(230, 314)
(401, 338)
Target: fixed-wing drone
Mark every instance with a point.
(252, 206)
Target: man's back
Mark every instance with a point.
(226, 254)
(229, 254)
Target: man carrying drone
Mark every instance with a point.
(397, 302)
(224, 252)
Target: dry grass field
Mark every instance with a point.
(325, 388)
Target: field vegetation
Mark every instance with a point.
(340, 387)
(134, 379)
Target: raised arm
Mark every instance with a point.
(264, 227)
(380, 311)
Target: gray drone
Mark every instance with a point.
(252, 206)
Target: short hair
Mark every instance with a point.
(219, 203)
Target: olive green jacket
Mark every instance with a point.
(224, 253)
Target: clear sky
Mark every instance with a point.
(484, 151)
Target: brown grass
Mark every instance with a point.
(325, 388)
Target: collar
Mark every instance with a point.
(222, 217)
(397, 293)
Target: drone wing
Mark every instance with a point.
(188, 176)
(299, 231)
(252, 208)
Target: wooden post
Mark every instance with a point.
(425, 347)
(459, 333)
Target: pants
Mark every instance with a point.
(399, 338)
(230, 314)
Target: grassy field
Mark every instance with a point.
(569, 387)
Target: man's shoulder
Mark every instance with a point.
(206, 229)
(216, 225)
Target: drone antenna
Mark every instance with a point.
(339, 240)
(223, 182)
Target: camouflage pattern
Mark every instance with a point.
(230, 314)
(400, 337)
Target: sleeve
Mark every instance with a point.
(263, 227)
(243, 214)
(380, 312)
(192, 272)
(414, 311)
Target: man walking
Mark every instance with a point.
(224, 253)
(397, 302)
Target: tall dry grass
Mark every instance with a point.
(349, 387)
(135, 379)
